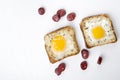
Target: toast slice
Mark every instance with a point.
(65, 44)
(104, 34)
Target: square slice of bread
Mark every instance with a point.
(71, 46)
(90, 22)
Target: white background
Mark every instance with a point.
(22, 29)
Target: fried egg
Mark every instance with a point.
(98, 30)
(61, 43)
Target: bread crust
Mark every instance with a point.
(74, 39)
(87, 18)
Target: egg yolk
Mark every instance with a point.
(58, 43)
(98, 32)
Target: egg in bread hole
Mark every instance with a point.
(61, 43)
(98, 30)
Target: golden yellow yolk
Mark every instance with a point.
(58, 43)
(98, 32)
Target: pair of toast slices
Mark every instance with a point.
(97, 30)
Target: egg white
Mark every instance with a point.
(104, 23)
(68, 47)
